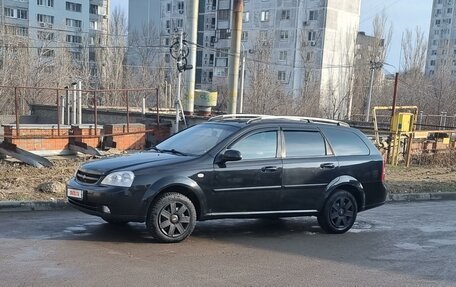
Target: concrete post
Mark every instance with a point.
(74, 104)
(192, 38)
(233, 75)
(80, 103)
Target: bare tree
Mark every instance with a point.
(370, 50)
(264, 91)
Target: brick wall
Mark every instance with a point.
(87, 130)
(126, 142)
(38, 144)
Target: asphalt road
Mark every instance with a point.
(401, 244)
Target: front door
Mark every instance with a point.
(253, 184)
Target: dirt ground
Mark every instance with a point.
(19, 181)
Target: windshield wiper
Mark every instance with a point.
(173, 151)
(156, 149)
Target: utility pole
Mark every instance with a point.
(373, 66)
(233, 76)
(192, 37)
(241, 96)
(179, 51)
(179, 81)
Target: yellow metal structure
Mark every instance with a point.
(402, 127)
(402, 122)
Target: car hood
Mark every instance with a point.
(105, 166)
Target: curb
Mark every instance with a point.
(421, 196)
(9, 206)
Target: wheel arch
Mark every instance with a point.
(349, 184)
(182, 185)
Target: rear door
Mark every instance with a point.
(308, 167)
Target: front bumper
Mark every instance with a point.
(124, 203)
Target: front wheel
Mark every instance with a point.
(172, 218)
(339, 212)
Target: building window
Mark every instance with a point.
(46, 52)
(49, 3)
(17, 31)
(75, 7)
(73, 23)
(432, 62)
(76, 56)
(180, 6)
(313, 15)
(93, 9)
(437, 22)
(16, 13)
(449, 10)
(281, 76)
(22, 14)
(309, 56)
(45, 36)
(180, 23)
(264, 16)
(223, 15)
(246, 16)
(311, 36)
(434, 52)
(283, 55)
(168, 7)
(244, 36)
(284, 35)
(41, 18)
(263, 34)
(73, 39)
(9, 13)
(285, 15)
(94, 25)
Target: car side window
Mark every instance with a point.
(346, 142)
(257, 146)
(304, 144)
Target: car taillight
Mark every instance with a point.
(383, 171)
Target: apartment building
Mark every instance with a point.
(441, 52)
(53, 23)
(311, 41)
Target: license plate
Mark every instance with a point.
(76, 193)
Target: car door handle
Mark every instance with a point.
(328, 165)
(269, 169)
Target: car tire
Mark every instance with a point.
(172, 218)
(115, 221)
(339, 212)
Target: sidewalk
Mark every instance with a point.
(8, 206)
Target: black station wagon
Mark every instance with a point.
(237, 166)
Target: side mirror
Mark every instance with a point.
(231, 155)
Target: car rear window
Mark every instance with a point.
(304, 144)
(346, 142)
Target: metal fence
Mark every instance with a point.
(69, 102)
(441, 121)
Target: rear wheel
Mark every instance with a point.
(339, 212)
(172, 218)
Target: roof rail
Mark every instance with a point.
(253, 117)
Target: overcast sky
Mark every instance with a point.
(404, 14)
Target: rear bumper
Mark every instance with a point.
(123, 203)
(376, 195)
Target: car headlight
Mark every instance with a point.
(119, 178)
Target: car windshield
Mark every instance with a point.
(196, 140)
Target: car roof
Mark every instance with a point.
(246, 119)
